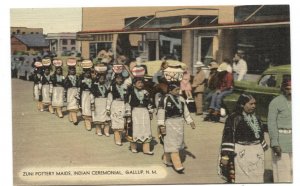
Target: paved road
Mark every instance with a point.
(44, 144)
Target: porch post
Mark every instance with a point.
(187, 43)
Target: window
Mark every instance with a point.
(64, 41)
(23, 33)
(37, 33)
(31, 32)
(268, 80)
(73, 41)
(64, 48)
(73, 48)
(104, 37)
(95, 48)
(18, 31)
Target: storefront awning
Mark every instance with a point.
(124, 31)
(88, 35)
(235, 26)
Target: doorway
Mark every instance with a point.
(151, 50)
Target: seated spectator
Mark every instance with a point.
(211, 83)
(223, 88)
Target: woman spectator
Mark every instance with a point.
(243, 144)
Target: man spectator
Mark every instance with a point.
(280, 132)
(211, 83)
(198, 87)
(240, 67)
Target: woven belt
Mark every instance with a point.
(248, 142)
(285, 131)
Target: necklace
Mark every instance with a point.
(59, 78)
(139, 95)
(88, 82)
(252, 122)
(177, 104)
(120, 90)
(47, 77)
(102, 90)
(73, 79)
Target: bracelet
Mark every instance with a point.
(225, 158)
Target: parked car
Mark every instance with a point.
(264, 90)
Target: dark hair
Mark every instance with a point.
(172, 86)
(136, 79)
(243, 99)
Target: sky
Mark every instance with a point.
(52, 20)
(55, 16)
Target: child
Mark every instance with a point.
(115, 106)
(140, 108)
(46, 86)
(57, 80)
(71, 85)
(99, 99)
(85, 85)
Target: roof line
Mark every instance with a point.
(231, 25)
(181, 28)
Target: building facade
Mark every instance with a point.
(25, 30)
(63, 44)
(29, 43)
(190, 34)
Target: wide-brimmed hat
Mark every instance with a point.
(222, 67)
(213, 65)
(199, 64)
(121, 59)
(105, 60)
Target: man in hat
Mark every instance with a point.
(171, 117)
(98, 103)
(224, 87)
(280, 132)
(240, 67)
(211, 82)
(71, 85)
(115, 106)
(139, 110)
(57, 80)
(198, 87)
